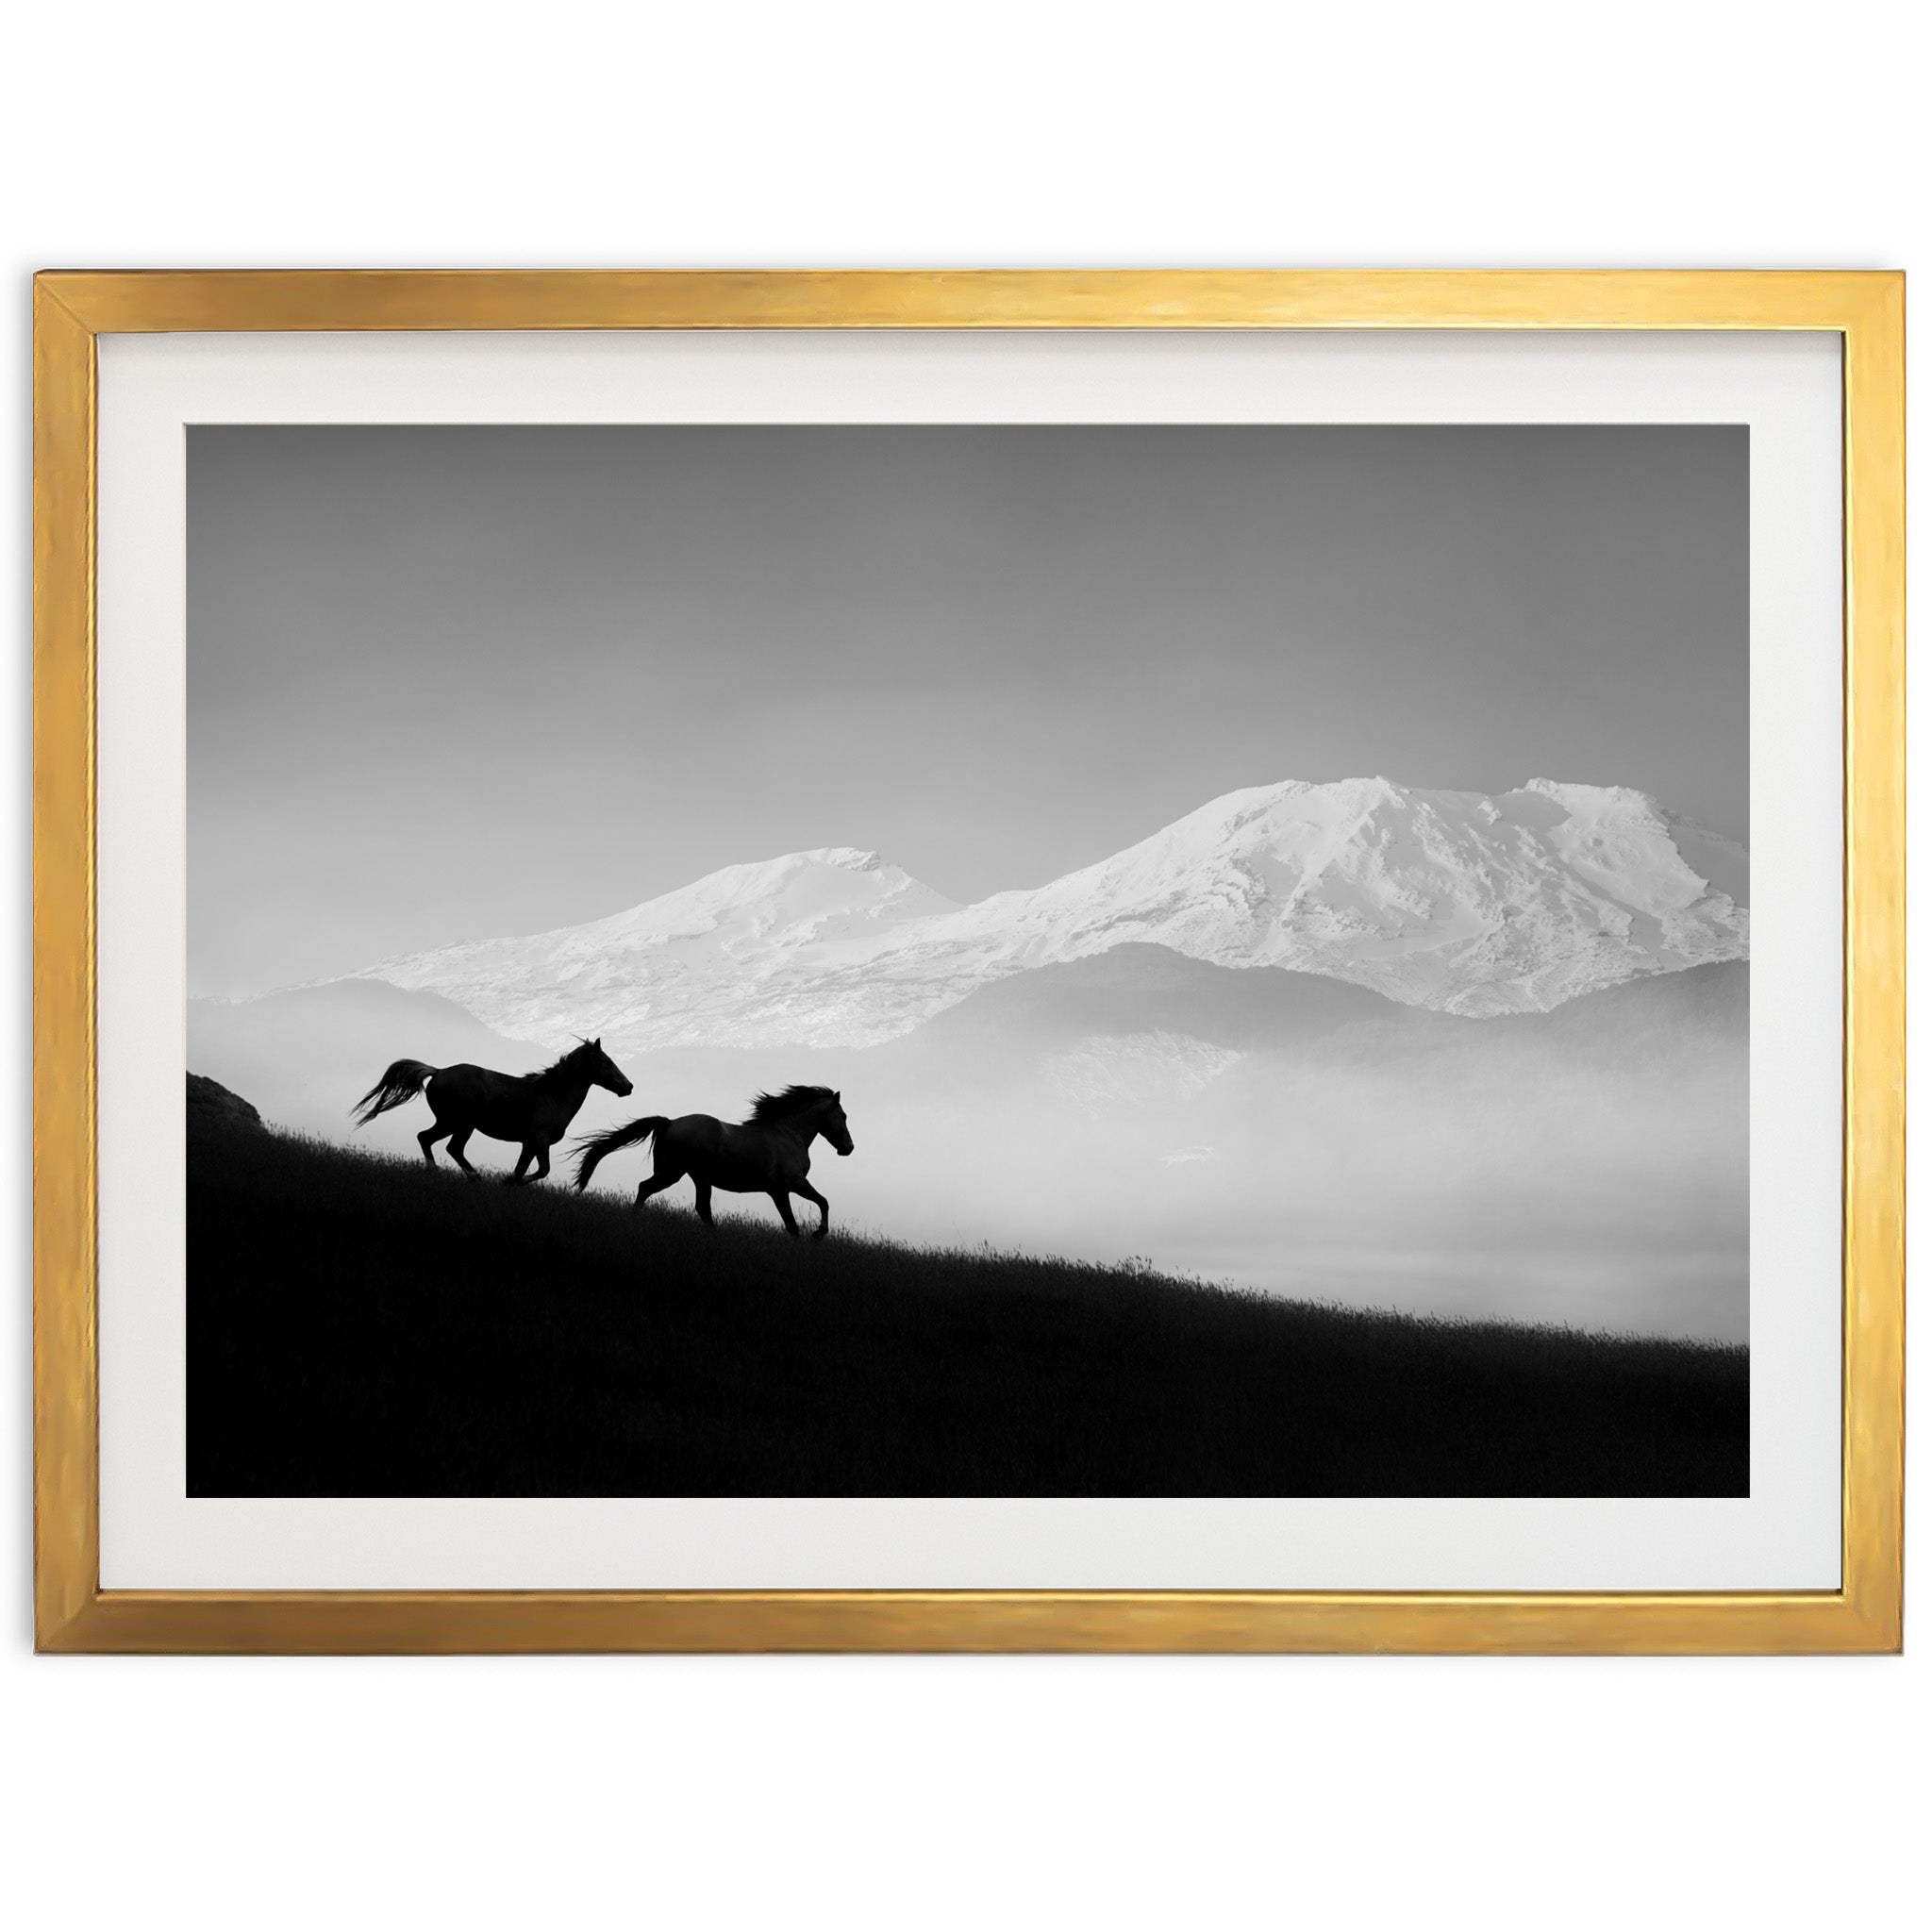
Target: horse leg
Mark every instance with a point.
(702, 1190)
(782, 1202)
(428, 1139)
(515, 1180)
(657, 1185)
(805, 1191)
(542, 1173)
(457, 1142)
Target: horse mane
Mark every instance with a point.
(562, 1061)
(783, 1107)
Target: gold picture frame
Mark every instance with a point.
(73, 1613)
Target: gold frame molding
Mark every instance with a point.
(71, 1612)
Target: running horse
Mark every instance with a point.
(533, 1110)
(769, 1154)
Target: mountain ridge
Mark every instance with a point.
(1462, 902)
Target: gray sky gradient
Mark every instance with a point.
(446, 683)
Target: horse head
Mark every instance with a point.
(832, 1125)
(603, 1069)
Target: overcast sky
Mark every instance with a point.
(447, 683)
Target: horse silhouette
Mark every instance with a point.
(769, 1154)
(533, 1110)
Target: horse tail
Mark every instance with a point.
(403, 1081)
(593, 1149)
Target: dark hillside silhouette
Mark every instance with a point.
(369, 1326)
(210, 1101)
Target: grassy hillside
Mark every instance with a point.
(363, 1327)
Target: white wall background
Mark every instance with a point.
(1358, 1792)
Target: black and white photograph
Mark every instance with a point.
(974, 960)
(1206, 636)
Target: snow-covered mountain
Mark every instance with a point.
(1450, 900)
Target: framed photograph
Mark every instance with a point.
(969, 961)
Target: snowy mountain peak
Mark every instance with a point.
(1466, 903)
(764, 875)
(1596, 797)
(844, 858)
(813, 890)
